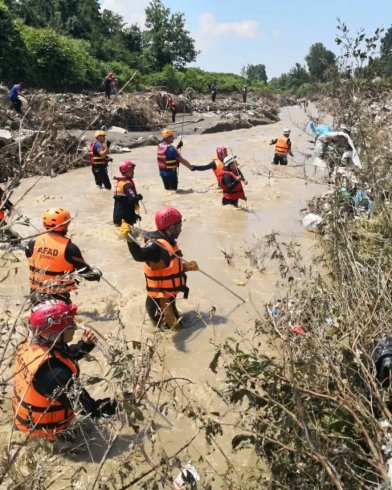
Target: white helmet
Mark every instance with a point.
(229, 160)
(286, 131)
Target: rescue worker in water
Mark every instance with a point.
(231, 182)
(46, 387)
(126, 198)
(216, 165)
(164, 270)
(99, 159)
(169, 159)
(282, 148)
(54, 260)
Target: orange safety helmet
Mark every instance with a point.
(100, 132)
(166, 217)
(56, 219)
(167, 133)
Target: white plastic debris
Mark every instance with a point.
(187, 475)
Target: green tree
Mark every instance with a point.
(254, 73)
(12, 50)
(166, 41)
(386, 52)
(320, 62)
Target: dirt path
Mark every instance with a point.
(275, 198)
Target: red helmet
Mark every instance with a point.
(56, 219)
(125, 166)
(219, 152)
(166, 217)
(52, 317)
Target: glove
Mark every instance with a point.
(108, 143)
(97, 272)
(125, 229)
(104, 408)
(138, 217)
(180, 145)
(139, 197)
(192, 266)
(193, 168)
(94, 275)
(110, 159)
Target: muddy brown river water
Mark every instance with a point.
(276, 196)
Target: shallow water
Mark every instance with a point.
(276, 196)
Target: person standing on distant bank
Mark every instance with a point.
(213, 91)
(108, 83)
(173, 108)
(13, 95)
(244, 93)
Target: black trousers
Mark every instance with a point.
(17, 104)
(169, 318)
(280, 159)
(170, 182)
(101, 176)
(233, 202)
(173, 116)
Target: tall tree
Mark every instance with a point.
(166, 40)
(386, 52)
(254, 72)
(12, 49)
(320, 61)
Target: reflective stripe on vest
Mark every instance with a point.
(121, 182)
(282, 146)
(48, 267)
(96, 159)
(237, 192)
(33, 412)
(163, 162)
(168, 281)
(218, 170)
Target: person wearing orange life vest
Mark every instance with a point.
(231, 182)
(282, 148)
(126, 198)
(54, 260)
(169, 159)
(99, 159)
(216, 165)
(164, 270)
(46, 386)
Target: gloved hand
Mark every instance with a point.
(192, 266)
(104, 408)
(125, 229)
(193, 168)
(139, 197)
(108, 143)
(138, 217)
(180, 145)
(94, 275)
(110, 159)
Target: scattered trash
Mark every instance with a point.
(312, 222)
(298, 330)
(188, 475)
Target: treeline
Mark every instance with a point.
(72, 44)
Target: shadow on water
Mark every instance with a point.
(184, 191)
(195, 322)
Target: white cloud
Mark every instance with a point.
(244, 28)
(132, 11)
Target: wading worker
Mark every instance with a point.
(164, 270)
(169, 159)
(54, 260)
(282, 148)
(216, 165)
(126, 198)
(231, 182)
(99, 158)
(46, 387)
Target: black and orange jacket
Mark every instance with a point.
(34, 413)
(50, 272)
(166, 281)
(232, 188)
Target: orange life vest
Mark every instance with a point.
(33, 412)
(120, 184)
(163, 162)
(96, 159)
(218, 170)
(168, 281)
(237, 192)
(48, 267)
(282, 147)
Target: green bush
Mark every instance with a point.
(12, 50)
(58, 62)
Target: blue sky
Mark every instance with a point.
(232, 33)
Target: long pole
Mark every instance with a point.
(200, 270)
